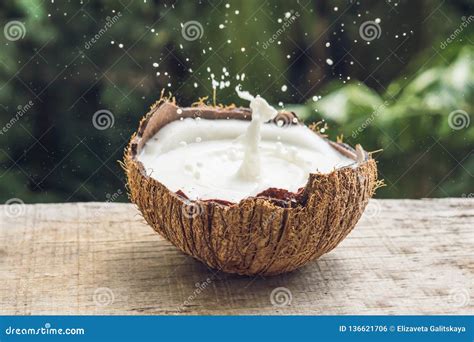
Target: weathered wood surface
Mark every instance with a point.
(404, 257)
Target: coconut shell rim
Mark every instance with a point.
(359, 155)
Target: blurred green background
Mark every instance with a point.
(408, 90)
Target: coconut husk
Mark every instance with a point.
(274, 232)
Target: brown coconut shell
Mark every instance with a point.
(274, 232)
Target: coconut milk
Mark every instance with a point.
(234, 159)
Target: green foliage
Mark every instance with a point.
(52, 152)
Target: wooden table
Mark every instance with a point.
(404, 257)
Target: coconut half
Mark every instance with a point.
(273, 231)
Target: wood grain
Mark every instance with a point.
(404, 257)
